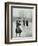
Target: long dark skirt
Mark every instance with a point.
(18, 30)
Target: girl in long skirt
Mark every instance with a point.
(18, 29)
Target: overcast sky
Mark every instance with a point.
(20, 12)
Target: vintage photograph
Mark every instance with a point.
(21, 22)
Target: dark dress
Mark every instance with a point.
(18, 30)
